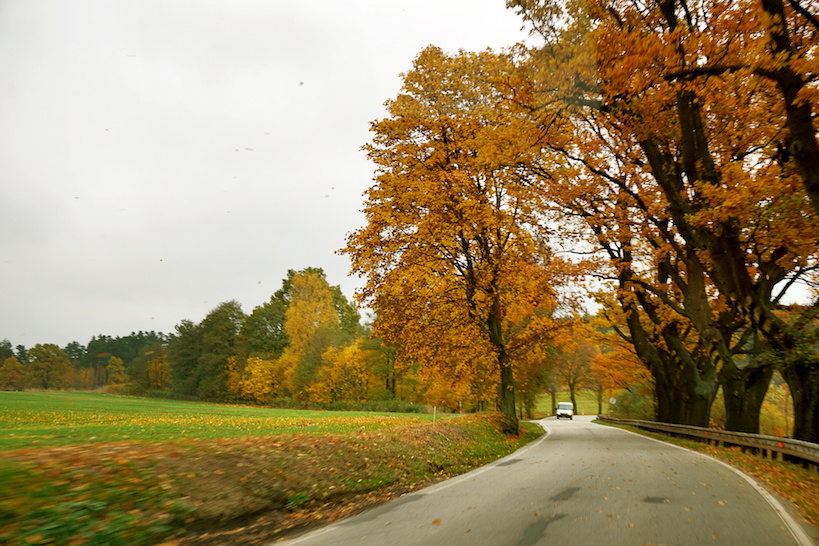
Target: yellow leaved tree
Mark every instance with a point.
(311, 325)
(454, 251)
(115, 371)
(346, 375)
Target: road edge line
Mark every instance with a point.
(795, 528)
(431, 490)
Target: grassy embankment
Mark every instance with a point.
(81, 468)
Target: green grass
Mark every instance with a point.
(44, 419)
(144, 492)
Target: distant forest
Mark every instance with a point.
(306, 343)
(306, 346)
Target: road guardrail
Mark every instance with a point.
(767, 446)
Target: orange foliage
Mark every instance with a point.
(454, 248)
(619, 369)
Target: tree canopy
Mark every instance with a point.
(454, 251)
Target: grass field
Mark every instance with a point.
(41, 419)
(83, 468)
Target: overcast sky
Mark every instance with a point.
(158, 157)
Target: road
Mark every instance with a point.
(581, 483)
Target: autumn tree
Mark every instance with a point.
(532, 377)
(346, 374)
(313, 323)
(158, 373)
(91, 360)
(451, 391)
(258, 380)
(115, 371)
(150, 369)
(453, 251)
(48, 368)
(619, 368)
(348, 315)
(789, 59)
(12, 375)
(384, 356)
(573, 362)
(674, 106)
(274, 351)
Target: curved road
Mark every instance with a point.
(580, 484)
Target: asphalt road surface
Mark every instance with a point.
(582, 484)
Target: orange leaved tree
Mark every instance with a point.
(697, 117)
(453, 252)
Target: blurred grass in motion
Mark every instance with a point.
(158, 469)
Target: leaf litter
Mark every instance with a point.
(240, 490)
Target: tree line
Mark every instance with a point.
(274, 351)
(669, 145)
(305, 346)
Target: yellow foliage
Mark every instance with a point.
(257, 379)
(116, 371)
(454, 250)
(311, 310)
(263, 379)
(233, 370)
(345, 376)
(159, 374)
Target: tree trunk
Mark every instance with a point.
(803, 381)
(573, 398)
(799, 115)
(663, 403)
(507, 394)
(686, 398)
(744, 391)
(699, 406)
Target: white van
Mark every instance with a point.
(565, 409)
